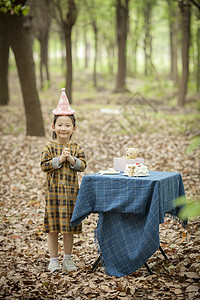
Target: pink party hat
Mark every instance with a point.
(63, 108)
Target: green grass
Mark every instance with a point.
(179, 122)
(87, 101)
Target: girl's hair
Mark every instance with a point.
(72, 117)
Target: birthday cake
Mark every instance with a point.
(136, 170)
(130, 158)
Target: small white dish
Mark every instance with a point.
(109, 172)
(124, 174)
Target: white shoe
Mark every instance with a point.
(54, 266)
(69, 265)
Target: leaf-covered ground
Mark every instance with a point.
(24, 256)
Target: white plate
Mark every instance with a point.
(109, 172)
(137, 175)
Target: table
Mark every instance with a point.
(130, 210)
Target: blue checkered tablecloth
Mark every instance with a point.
(130, 210)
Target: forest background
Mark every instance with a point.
(132, 72)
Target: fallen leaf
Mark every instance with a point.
(192, 288)
(192, 275)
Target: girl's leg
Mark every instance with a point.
(68, 239)
(52, 241)
(68, 263)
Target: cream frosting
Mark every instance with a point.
(136, 170)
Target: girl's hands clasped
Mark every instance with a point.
(66, 152)
(67, 156)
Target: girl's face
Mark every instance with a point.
(64, 129)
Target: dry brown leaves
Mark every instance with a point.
(24, 255)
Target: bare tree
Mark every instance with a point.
(197, 4)
(122, 19)
(173, 28)
(135, 38)
(66, 24)
(41, 11)
(4, 56)
(185, 7)
(91, 8)
(19, 37)
(148, 6)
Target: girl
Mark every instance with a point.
(61, 159)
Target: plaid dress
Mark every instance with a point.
(62, 186)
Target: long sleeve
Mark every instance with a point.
(80, 159)
(48, 162)
(51, 154)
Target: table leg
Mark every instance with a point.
(148, 269)
(146, 265)
(165, 256)
(96, 263)
(163, 253)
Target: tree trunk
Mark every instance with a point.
(86, 49)
(110, 57)
(95, 55)
(173, 27)
(198, 53)
(147, 39)
(198, 60)
(63, 51)
(75, 47)
(135, 57)
(44, 39)
(4, 55)
(68, 41)
(186, 17)
(122, 16)
(68, 24)
(135, 41)
(41, 11)
(21, 43)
